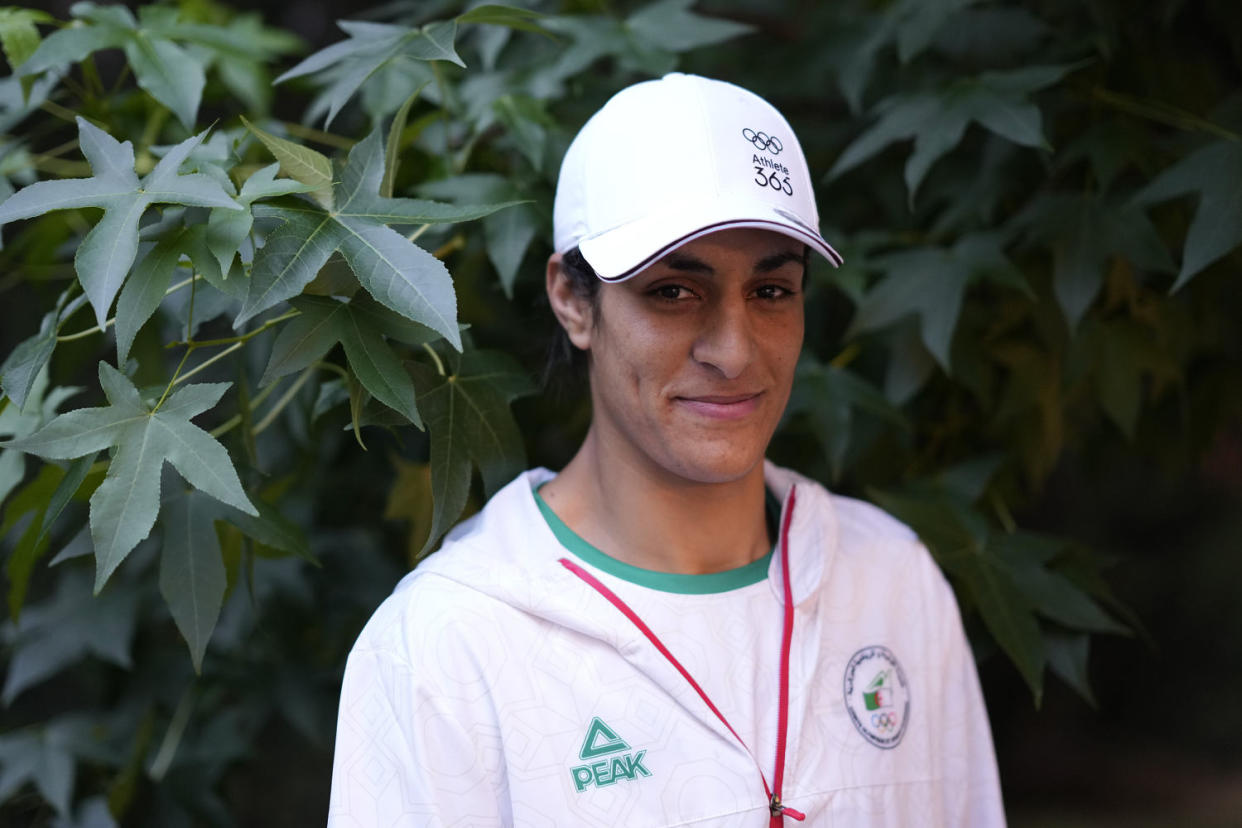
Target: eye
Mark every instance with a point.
(773, 292)
(671, 293)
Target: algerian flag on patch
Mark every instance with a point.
(879, 693)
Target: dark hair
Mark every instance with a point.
(566, 363)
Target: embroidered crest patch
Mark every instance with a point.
(877, 696)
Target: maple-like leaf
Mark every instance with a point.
(39, 503)
(930, 282)
(360, 326)
(170, 74)
(227, 229)
(106, 254)
(831, 397)
(937, 120)
(1215, 174)
(410, 500)
(23, 364)
(45, 756)
(18, 36)
(68, 626)
(124, 507)
(1084, 232)
(239, 51)
(19, 421)
(169, 53)
(193, 578)
(394, 270)
(370, 48)
(467, 412)
(961, 542)
(507, 234)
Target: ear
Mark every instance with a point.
(572, 310)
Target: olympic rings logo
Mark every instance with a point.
(763, 141)
(884, 722)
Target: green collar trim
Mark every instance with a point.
(706, 584)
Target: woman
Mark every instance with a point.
(672, 631)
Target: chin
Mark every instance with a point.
(726, 466)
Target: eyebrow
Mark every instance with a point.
(689, 264)
(778, 260)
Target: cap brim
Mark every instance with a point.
(623, 251)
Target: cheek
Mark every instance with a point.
(640, 350)
(619, 361)
(783, 343)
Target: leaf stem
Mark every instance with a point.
(418, 231)
(172, 736)
(208, 362)
(121, 77)
(56, 151)
(285, 399)
(151, 131)
(90, 73)
(434, 357)
(1002, 513)
(189, 316)
(328, 366)
(847, 355)
(76, 88)
(108, 323)
(53, 108)
(456, 243)
(60, 167)
(234, 421)
(1162, 113)
(83, 334)
(183, 283)
(231, 340)
(189, 350)
(317, 135)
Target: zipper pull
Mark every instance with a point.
(778, 810)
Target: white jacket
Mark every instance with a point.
(495, 687)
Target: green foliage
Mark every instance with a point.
(468, 415)
(168, 55)
(394, 270)
(937, 120)
(1214, 173)
(324, 322)
(1040, 217)
(104, 257)
(19, 37)
(124, 507)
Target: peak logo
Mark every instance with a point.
(602, 741)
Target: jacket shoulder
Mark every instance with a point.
(422, 608)
(853, 517)
(858, 518)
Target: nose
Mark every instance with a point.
(726, 339)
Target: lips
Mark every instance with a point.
(721, 406)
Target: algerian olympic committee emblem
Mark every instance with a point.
(877, 696)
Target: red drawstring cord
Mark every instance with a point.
(782, 721)
(778, 810)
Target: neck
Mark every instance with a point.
(651, 518)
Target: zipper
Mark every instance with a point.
(776, 808)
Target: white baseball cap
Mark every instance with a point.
(668, 161)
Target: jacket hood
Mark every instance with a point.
(509, 553)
